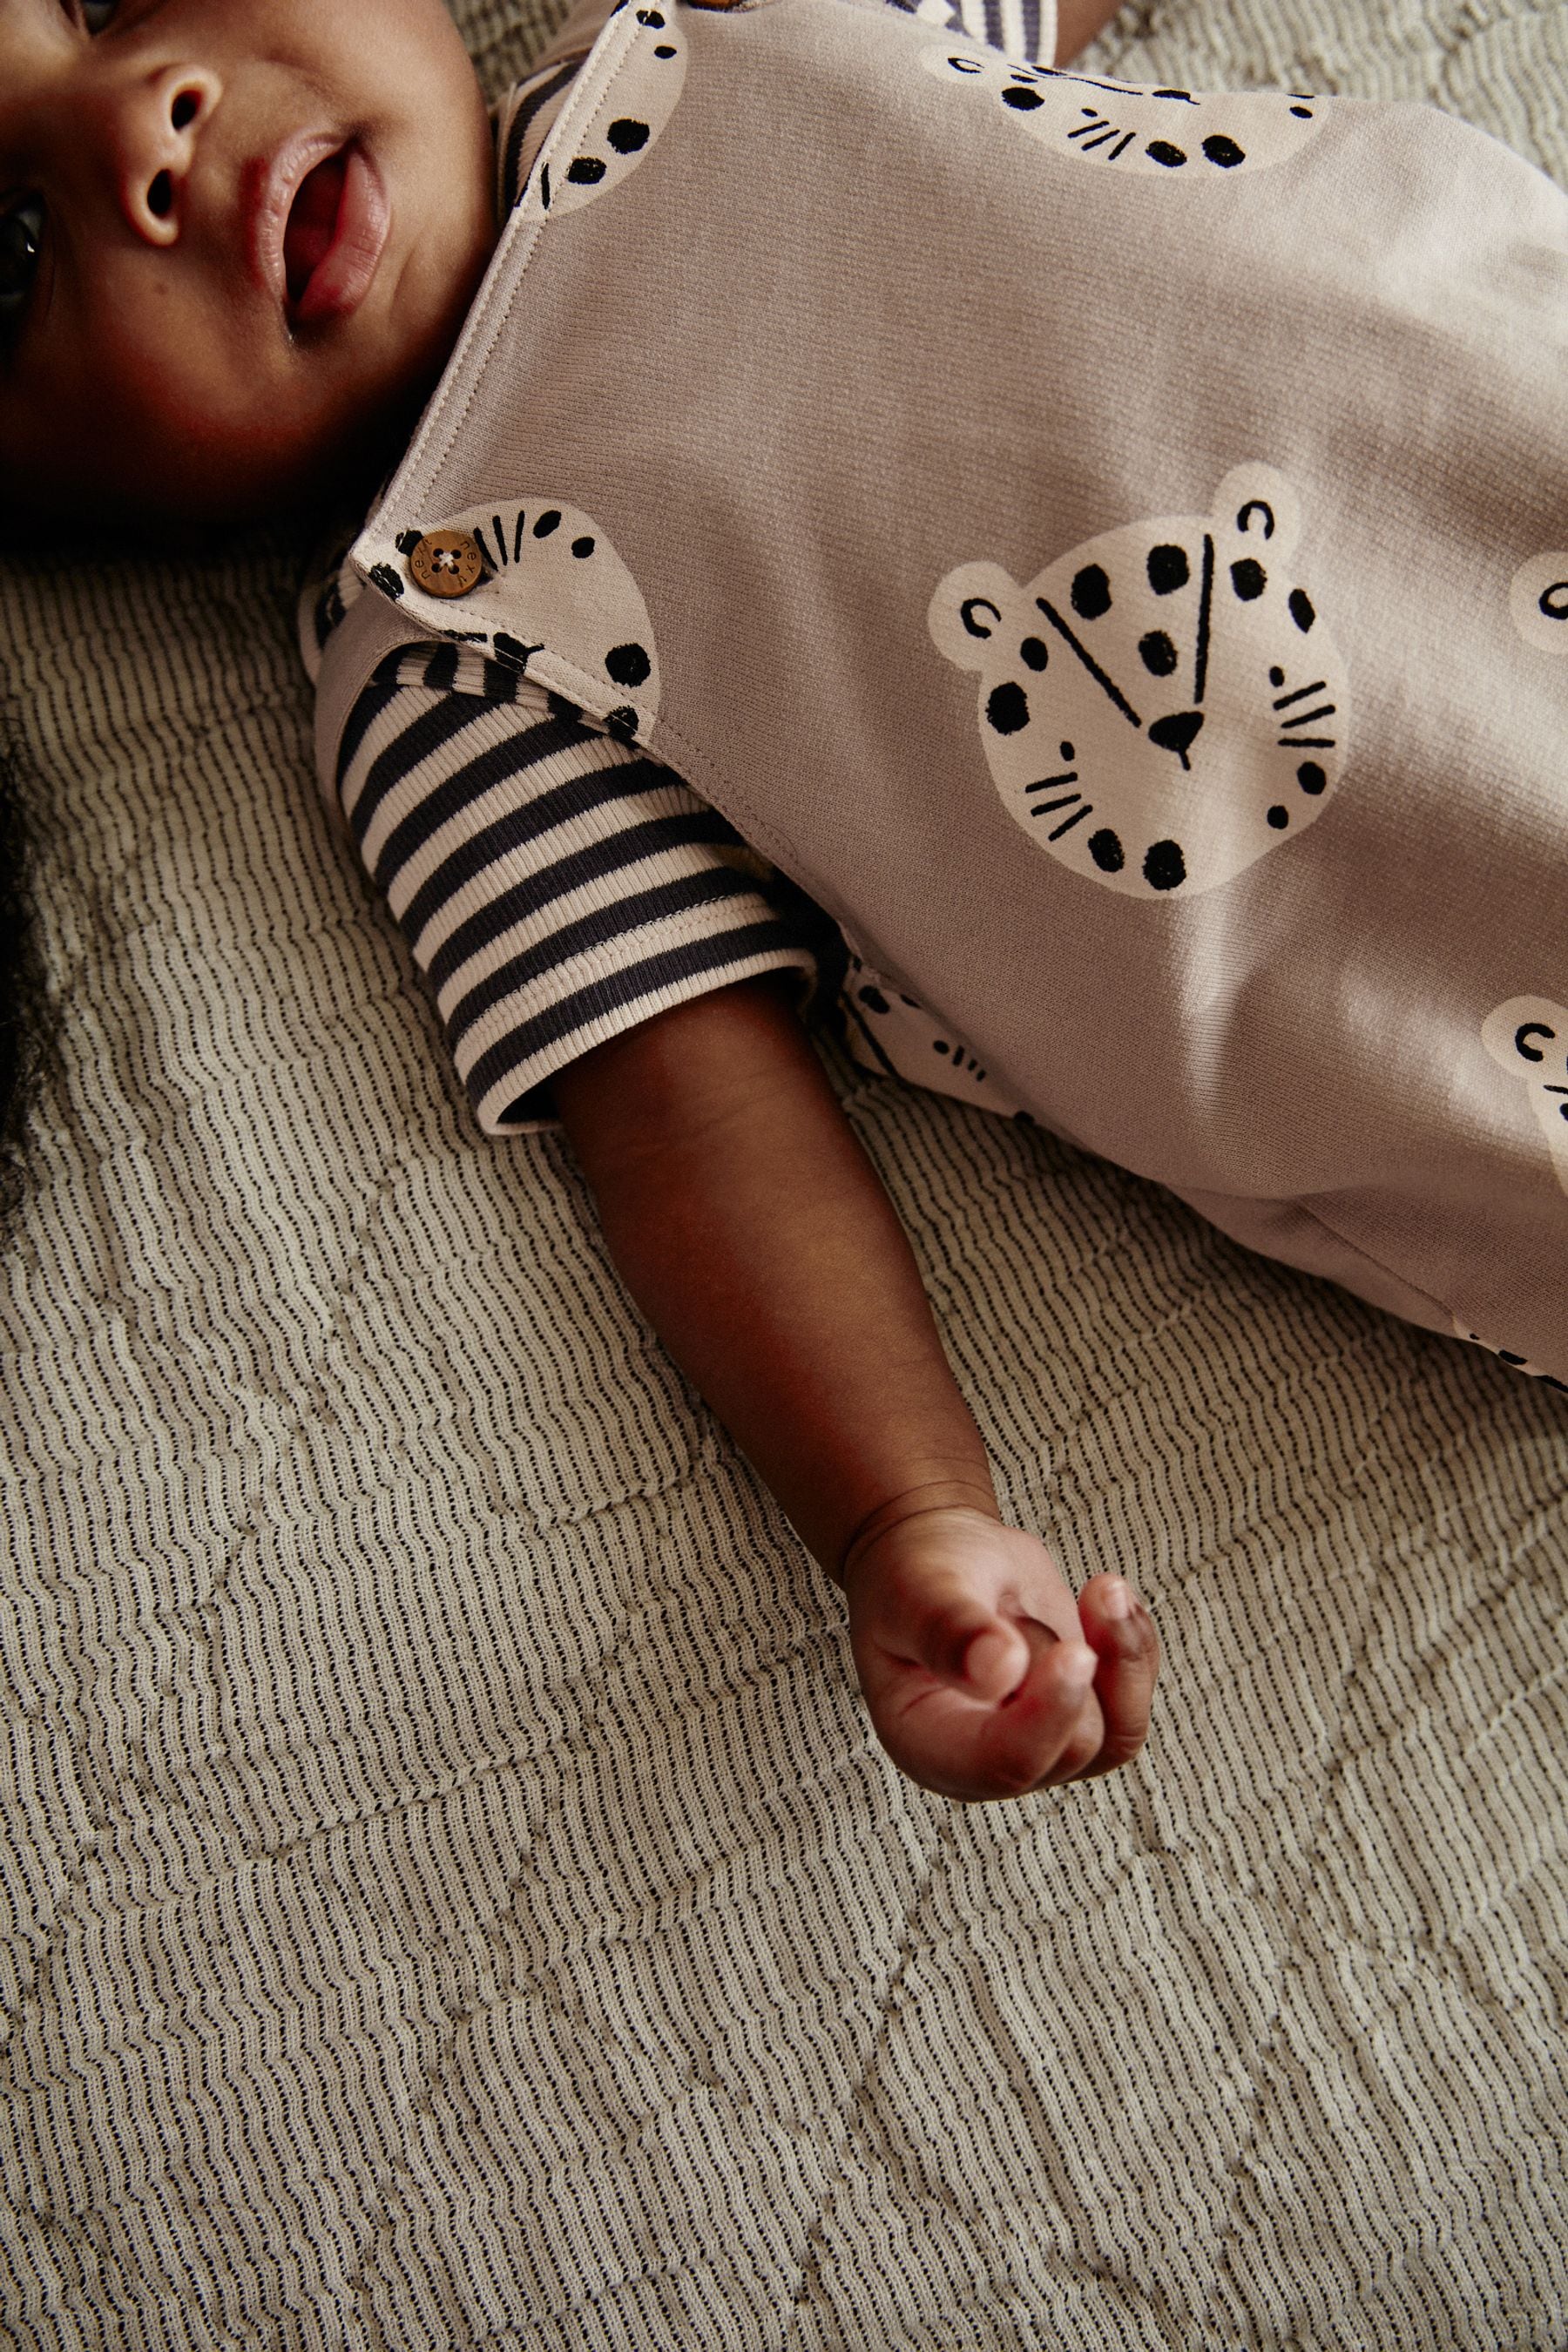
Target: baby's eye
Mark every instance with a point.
(95, 14)
(21, 241)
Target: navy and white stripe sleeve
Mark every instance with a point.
(1023, 31)
(556, 886)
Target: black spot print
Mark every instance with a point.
(581, 546)
(623, 725)
(1224, 152)
(1278, 817)
(1025, 100)
(627, 664)
(1276, 676)
(1165, 868)
(1158, 654)
(1168, 570)
(1067, 752)
(1554, 600)
(1160, 150)
(508, 649)
(1301, 611)
(1107, 851)
(626, 137)
(587, 171)
(1248, 579)
(407, 540)
(1184, 95)
(1310, 777)
(966, 65)
(1091, 592)
(651, 17)
(548, 521)
(386, 579)
(940, 1046)
(1034, 652)
(875, 999)
(1303, 113)
(1007, 708)
(665, 49)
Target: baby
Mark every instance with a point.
(240, 245)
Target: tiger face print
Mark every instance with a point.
(1162, 705)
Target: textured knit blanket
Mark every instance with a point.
(451, 1895)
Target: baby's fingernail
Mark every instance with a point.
(1116, 1599)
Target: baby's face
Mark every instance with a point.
(238, 238)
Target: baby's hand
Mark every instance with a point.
(983, 1675)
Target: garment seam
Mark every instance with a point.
(438, 431)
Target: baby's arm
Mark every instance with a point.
(753, 1232)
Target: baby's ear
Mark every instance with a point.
(1525, 1034)
(1258, 503)
(969, 607)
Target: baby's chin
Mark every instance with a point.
(182, 496)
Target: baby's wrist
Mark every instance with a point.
(958, 1494)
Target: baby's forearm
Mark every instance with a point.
(755, 1236)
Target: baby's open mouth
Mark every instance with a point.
(312, 223)
(335, 237)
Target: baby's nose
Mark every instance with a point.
(158, 125)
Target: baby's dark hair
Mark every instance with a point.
(25, 1012)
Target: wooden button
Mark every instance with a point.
(447, 563)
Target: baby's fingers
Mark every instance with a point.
(1051, 1728)
(1121, 1633)
(945, 1628)
(1046, 1730)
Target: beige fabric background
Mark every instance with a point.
(450, 1896)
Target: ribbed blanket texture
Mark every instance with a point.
(452, 1897)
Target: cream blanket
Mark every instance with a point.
(451, 1896)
